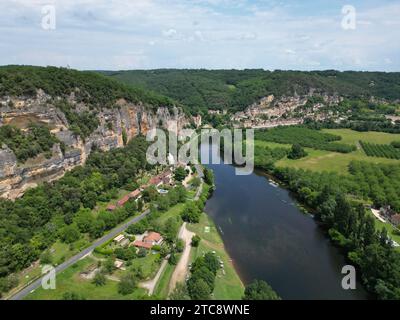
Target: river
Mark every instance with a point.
(269, 238)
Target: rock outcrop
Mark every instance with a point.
(271, 111)
(125, 118)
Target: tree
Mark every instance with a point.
(195, 182)
(208, 176)
(99, 279)
(150, 194)
(180, 174)
(84, 220)
(198, 289)
(171, 229)
(70, 233)
(181, 192)
(142, 253)
(173, 259)
(211, 262)
(180, 245)
(259, 290)
(195, 241)
(97, 228)
(297, 152)
(46, 258)
(108, 218)
(124, 137)
(165, 250)
(140, 205)
(108, 265)
(191, 213)
(127, 284)
(163, 203)
(180, 292)
(69, 295)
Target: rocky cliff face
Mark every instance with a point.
(271, 111)
(16, 178)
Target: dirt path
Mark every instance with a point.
(181, 269)
(151, 284)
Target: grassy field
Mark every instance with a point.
(161, 289)
(228, 285)
(319, 160)
(70, 280)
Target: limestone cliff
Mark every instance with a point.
(273, 111)
(133, 118)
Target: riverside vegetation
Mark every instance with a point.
(338, 199)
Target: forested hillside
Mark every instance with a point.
(88, 87)
(235, 89)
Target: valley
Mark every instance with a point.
(74, 170)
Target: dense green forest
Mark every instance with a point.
(28, 144)
(59, 210)
(304, 137)
(88, 87)
(201, 90)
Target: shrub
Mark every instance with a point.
(195, 241)
(259, 290)
(127, 284)
(297, 152)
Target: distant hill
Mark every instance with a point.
(234, 90)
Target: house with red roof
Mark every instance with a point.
(149, 240)
(123, 200)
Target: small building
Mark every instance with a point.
(142, 244)
(123, 201)
(395, 219)
(149, 240)
(118, 263)
(156, 181)
(135, 194)
(120, 238)
(154, 238)
(386, 211)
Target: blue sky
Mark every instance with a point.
(214, 34)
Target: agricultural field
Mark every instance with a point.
(380, 150)
(305, 137)
(321, 160)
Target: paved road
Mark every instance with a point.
(112, 234)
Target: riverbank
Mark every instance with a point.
(228, 285)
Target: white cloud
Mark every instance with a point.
(118, 34)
